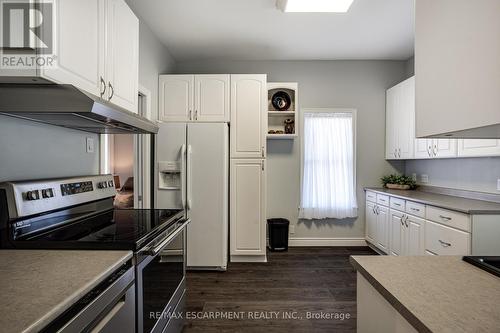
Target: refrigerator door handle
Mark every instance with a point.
(189, 174)
(183, 178)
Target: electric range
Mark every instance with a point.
(78, 213)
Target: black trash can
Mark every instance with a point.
(278, 234)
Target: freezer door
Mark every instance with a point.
(208, 158)
(170, 166)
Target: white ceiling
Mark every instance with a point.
(256, 30)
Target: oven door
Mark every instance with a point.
(161, 281)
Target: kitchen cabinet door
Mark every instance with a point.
(391, 146)
(382, 234)
(248, 115)
(79, 28)
(211, 98)
(443, 148)
(122, 55)
(478, 147)
(396, 233)
(176, 102)
(406, 119)
(415, 234)
(248, 207)
(371, 222)
(423, 148)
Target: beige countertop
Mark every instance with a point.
(463, 205)
(38, 285)
(436, 293)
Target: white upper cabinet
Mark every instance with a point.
(176, 97)
(122, 55)
(211, 98)
(435, 148)
(400, 120)
(80, 49)
(248, 115)
(186, 98)
(97, 49)
(457, 67)
(478, 147)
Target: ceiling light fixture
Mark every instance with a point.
(314, 6)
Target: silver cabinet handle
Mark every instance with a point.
(103, 87)
(399, 152)
(429, 151)
(262, 165)
(415, 209)
(406, 221)
(112, 91)
(435, 150)
(396, 204)
(196, 115)
(155, 250)
(445, 217)
(190, 114)
(444, 243)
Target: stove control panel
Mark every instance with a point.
(26, 198)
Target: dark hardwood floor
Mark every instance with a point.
(258, 296)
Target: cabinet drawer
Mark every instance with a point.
(415, 208)
(371, 196)
(383, 199)
(398, 204)
(448, 217)
(443, 240)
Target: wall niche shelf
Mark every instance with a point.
(285, 96)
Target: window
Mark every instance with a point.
(328, 175)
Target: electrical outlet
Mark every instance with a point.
(90, 145)
(292, 229)
(424, 179)
(414, 176)
(498, 184)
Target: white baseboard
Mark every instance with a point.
(327, 241)
(243, 258)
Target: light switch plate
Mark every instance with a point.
(498, 184)
(292, 229)
(414, 176)
(424, 179)
(90, 145)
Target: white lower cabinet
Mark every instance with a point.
(382, 234)
(247, 207)
(406, 234)
(443, 240)
(371, 222)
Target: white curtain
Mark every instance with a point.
(328, 184)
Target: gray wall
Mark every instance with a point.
(474, 174)
(31, 150)
(351, 84)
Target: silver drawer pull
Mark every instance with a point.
(396, 204)
(444, 243)
(415, 209)
(445, 217)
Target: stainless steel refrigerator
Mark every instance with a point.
(192, 173)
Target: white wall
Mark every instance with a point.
(351, 84)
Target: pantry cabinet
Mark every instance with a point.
(248, 115)
(186, 98)
(248, 207)
(97, 51)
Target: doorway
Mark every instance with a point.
(128, 158)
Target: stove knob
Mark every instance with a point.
(102, 185)
(110, 183)
(32, 195)
(47, 193)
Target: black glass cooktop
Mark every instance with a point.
(112, 229)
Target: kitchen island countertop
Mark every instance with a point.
(38, 285)
(435, 293)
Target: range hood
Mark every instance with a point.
(65, 105)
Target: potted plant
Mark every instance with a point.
(399, 182)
